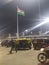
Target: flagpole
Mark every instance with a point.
(17, 25)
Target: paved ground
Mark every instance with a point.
(22, 57)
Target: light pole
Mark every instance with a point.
(31, 32)
(9, 36)
(23, 33)
(40, 15)
(17, 25)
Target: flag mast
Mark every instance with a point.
(17, 25)
(19, 12)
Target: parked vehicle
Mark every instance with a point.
(40, 43)
(24, 43)
(20, 42)
(44, 55)
(5, 43)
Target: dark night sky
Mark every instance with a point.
(8, 15)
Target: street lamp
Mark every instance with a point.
(46, 32)
(26, 31)
(44, 21)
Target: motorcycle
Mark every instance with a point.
(44, 55)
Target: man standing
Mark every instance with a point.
(13, 46)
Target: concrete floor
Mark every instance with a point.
(22, 57)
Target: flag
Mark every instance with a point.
(20, 12)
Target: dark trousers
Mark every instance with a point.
(13, 48)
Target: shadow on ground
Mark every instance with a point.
(23, 49)
(47, 63)
(17, 51)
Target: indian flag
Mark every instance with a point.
(20, 12)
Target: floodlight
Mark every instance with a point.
(46, 32)
(46, 20)
(26, 30)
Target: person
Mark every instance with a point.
(13, 46)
